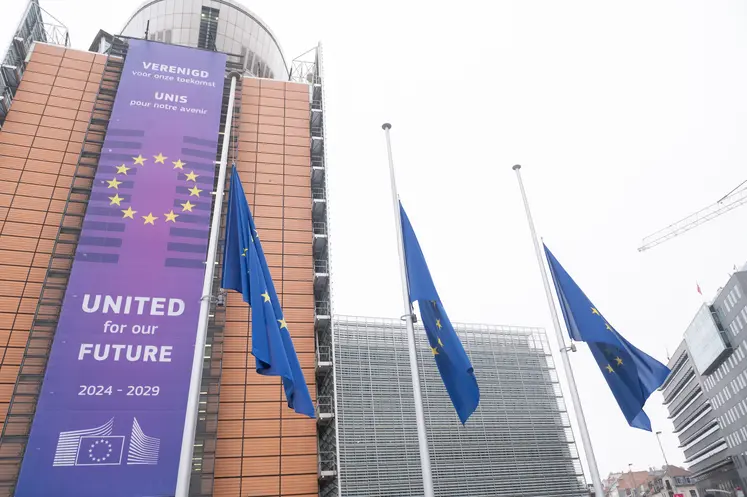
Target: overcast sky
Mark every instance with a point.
(626, 116)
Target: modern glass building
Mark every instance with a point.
(706, 393)
(220, 25)
(518, 442)
(248, 443)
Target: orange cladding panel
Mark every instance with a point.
(265, 449)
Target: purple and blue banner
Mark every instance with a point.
(110, 416)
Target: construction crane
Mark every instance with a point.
(730, 201)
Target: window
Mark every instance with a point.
(737, 292)
(669, 485)
(693, 493)
(208, 28)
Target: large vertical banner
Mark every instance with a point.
(111, 413)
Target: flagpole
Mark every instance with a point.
(184, 475)
(585, 439)
(425, 460)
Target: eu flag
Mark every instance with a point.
(631, 374)
(245, 270)
(452, 361)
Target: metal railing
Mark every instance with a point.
(324, 354)
(318, 193)
(325, 404)
(321, 307)
(321, 266)
(327, 462)
(320, 228)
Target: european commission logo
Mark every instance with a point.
(100, 447)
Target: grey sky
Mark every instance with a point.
(625, 116)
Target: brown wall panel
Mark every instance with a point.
(280, 198)
(33, 144)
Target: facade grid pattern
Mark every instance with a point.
(518, 442)
(40, 146)
(264, 449)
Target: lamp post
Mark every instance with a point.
(666, 463)
(664, 455)
(632, 479)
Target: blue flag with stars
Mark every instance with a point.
(452, 361)
(245, 270)
(631, 374)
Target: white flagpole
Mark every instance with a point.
(585, 439)
(425, 460)
(184, 475)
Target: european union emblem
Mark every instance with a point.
(100, 451)
(245, 270)
(452, 361)
(631, 374)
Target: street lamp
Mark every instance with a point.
(666, 463)
(632, 479)
(658, 437)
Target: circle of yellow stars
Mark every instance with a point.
(434, 350)
(618, 360)
(150, 219)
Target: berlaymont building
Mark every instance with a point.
(109, 149)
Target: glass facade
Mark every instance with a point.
(518, 442)
(222, 25)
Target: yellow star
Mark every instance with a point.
(116, 199)
(609, 368)
(170, 216)
(607, 325)
(114, 184)
(122, 169)
(440, 342)
(149, 219)
(434, 350)
(159, 158)
(187, 206)
(594, 311)
(244, 253)
(438, 324)
(283, 324)
(266, 295)
(194, 191)
(191, 176)
(179, 164)
(129, 213)
(139, 160)
(619, 361)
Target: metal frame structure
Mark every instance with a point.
(31, 29)
(308, 69)
(518, 442)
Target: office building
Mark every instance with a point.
(518, 442)
(248, 443)
(707, 390)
